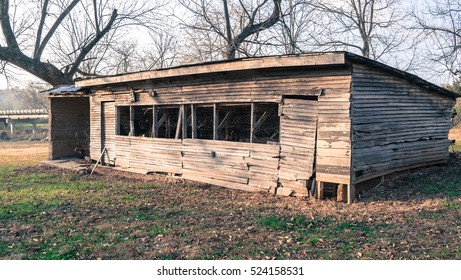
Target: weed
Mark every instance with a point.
(156, 230)
(313, 239)
(297, 222)
(453, 204)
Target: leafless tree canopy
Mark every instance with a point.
(366, 26)
(440, 25)
(57, 39)
(33, 96)
(225, 28)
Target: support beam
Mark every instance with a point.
(215, 121)
(341, 194)
(260, 122)
(194, 121)
(185, 121)
(252, 122)
(224, 120)
(320, 190)
(131, 121)
(179, 123)
(155, 122)
(350, 194)
(11, 127)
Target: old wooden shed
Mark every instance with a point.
(284, 124)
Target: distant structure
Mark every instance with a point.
(292, 125)
(32, 116)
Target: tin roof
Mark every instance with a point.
(68, 90)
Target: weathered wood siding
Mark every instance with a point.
(333, 151)
(69, 126)
(247, 86)
(298, 128)
(231, 164)
(108, 131)
(95, 126)
(239, 165)
(396, 125)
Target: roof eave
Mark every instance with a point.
(315, 59)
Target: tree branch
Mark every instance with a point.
(38, 52)
(6, 25)
(40, 27)
(252, 28)
(87, 48)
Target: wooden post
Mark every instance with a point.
(131, 121)
(252, 122)
(341, 194)
(320, 190)
(155, 122)
(193, 121)
(215, 121)
(184, 121)
(350, 193)
(180, 121)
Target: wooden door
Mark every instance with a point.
(298, 128)
(108, 132)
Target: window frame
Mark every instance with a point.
(182, 123)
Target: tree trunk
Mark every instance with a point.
(45, 71)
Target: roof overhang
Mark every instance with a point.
(317, 59)
(68, 91)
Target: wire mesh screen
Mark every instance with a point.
(143, 120)
(266, 121)
(168, 121)
(204, 122)
(234, 123)
(124, 120)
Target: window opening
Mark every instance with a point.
(143, 120)
(266, 123)
(234, 122)
(167, 125)
(124, 120)
(204, 116)
(255, 123)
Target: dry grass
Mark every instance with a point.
(455, 134)
(22, 153)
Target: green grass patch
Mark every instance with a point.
(355, 227)
(449, 185)
(276, 222)
(453, 204)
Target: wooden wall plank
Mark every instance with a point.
(396, 125)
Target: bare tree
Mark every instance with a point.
(228, 25)
(440, 24)
(367, 26)
(297, 22)
(163, 53)
(53, 39)
(33, 96)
